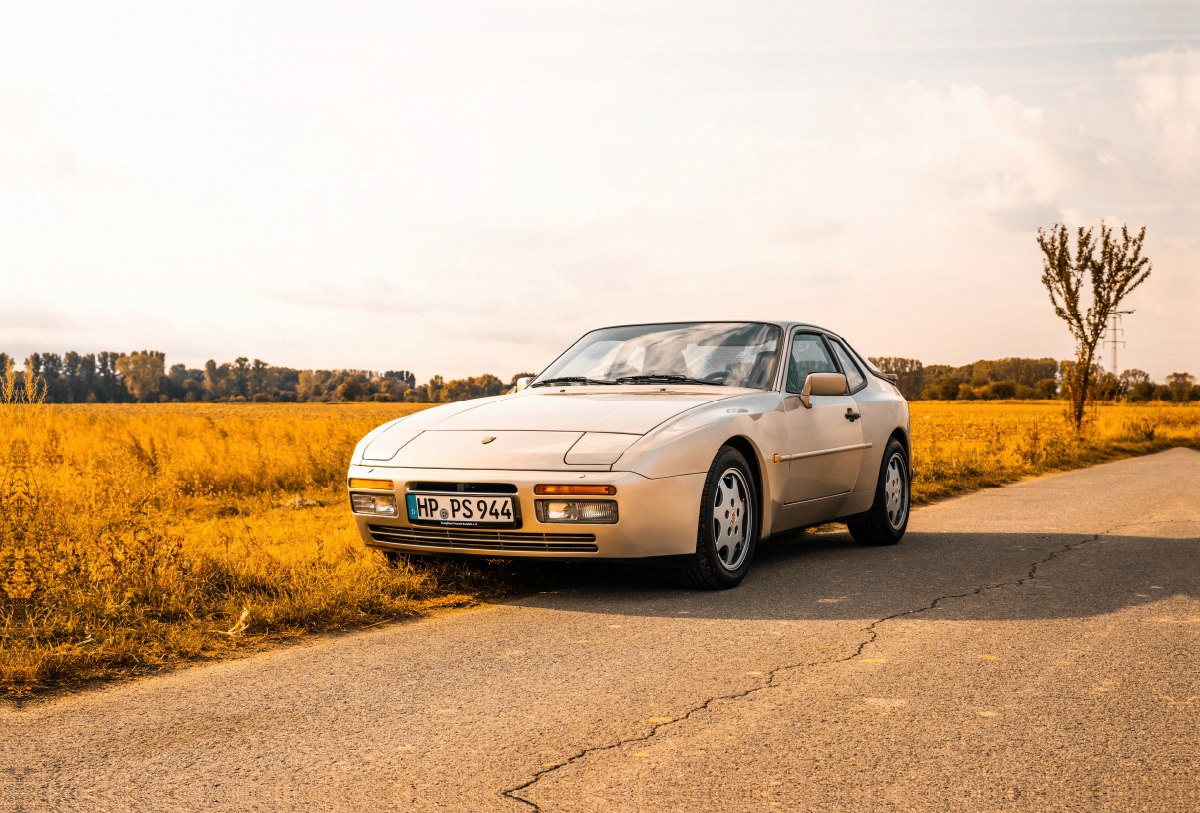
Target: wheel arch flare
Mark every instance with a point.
(755, 458)
(899, 434)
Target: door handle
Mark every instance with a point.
(851, 415)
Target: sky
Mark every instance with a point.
(456, 188)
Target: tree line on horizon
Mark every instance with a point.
(1027, 379)
(143, 377)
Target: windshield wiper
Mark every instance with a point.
(666, 379)
(569, 379)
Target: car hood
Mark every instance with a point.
(634, 411)
(534, 429)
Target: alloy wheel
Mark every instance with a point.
(731, 519)
(895, 490)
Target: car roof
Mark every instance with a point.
(786, 324)
(783, 323)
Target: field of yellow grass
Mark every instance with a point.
(959, 446)
(134, 537)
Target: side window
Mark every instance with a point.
(854, 376)
(809, 355)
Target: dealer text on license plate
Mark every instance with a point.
(463, 509)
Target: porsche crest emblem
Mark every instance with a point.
(488, 439)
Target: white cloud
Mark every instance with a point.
(981, 154)
(1168, 84)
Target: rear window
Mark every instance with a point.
(854, 376)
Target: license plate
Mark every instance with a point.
(462, 510)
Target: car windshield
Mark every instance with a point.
(726, 353)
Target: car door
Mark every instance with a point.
(825, 442)
(856, 379)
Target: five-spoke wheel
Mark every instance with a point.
(895, 490)
(728, 528)
(730, 520)
(886, 520)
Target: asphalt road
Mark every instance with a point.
(1033, 648)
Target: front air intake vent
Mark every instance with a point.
(463, 488)
(483, 540)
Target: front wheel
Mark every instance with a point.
(887, 519)
(728, 530)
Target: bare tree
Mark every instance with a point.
(1114, 268)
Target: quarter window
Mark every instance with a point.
(809, 355)
(854, 376)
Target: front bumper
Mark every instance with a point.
(656, 517)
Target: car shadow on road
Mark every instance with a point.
(828, 576)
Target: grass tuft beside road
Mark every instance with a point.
(134, 537)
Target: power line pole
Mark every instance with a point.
(1113, 337)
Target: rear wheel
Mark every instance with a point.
(728, 529)
(887, 519)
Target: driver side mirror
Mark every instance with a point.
(522, 383)
(822, 384)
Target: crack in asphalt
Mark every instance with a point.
(769, 682)
(1150, 522)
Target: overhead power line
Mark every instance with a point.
(1168, 327)
(1167, 341)
(1160, 353)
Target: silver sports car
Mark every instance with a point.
(679, 444)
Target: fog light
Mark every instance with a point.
(589, 512)
(383, 505)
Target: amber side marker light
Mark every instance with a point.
(356, 482)
(577, 489)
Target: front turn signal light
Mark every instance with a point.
(543, 491)
(356, 482)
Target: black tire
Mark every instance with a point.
(885, 523)
(730, 483)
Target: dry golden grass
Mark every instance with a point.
(132, 537)
(958, 446)
(219, 454)
(137, 536)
